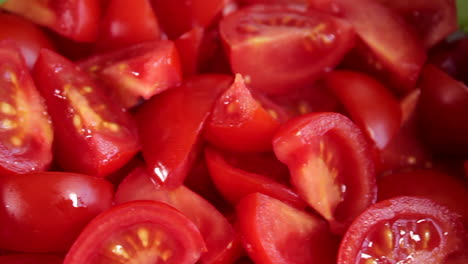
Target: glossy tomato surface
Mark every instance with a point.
(29, 258)
(49, 209)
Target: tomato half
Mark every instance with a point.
(219, 236)
(93, 135)
(29, 258)
(125, 23)
(76, 19)
(45, 212)
(25, 129)
(170, 123)
(137, 72)
(274, 232)
(279, 48)
(403, 230)
(138, 232)
(28, 37)
(331, 165)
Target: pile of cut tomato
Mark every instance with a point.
(233, 132)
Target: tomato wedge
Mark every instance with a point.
(25, 129)
(331, 165)
(169, 125)
(219, 236)
(280, 48)
(75, 19)
(274, 232)
(430, 233)
(137, 72)
(138, 232)
(93, 134)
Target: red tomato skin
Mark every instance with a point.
(324, 137)
(371, 105)
(30, 258)
(83, 143)
(28, 37)
(234, 183)
(442, 108)
(137, 72)
(189, 45)
(133, 213)
(239, 123)
(169, 126)
(69, 200)
(27, 133)
(294, 61)
(221, 241)
(77, 20)
(271, 236)
(400, 208)
(127, 22)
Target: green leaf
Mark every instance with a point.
(2, 1)
(462, 12)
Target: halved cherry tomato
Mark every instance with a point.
(29, 258)
(390, 46)
(180, 16)
(93, 135)
(403, 230)
(370, 104)
(442, 112)
(28, 37)
(433, 20)
(138, 71)
(279, 48)
(189, 45)
(45, 212)
(138, 232)
(170, 123)
(441, 187)
(126, 23)
(331, 165)
(235, 183)
(239, 123)
(220, 239)
(76, 19)
(25, 129)
(274, 232)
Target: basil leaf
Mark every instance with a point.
(2, 1)
(462, 12)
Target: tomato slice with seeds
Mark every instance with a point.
(93, 134)
(292, 47)
(138, 232)
(403, 230)
(331, 165)
(26, 132)
(238, 122)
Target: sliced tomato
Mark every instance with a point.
(169, 125)
(139, 232)
(403, 230)
(331, 165)
(391, 47)
(138, 71)
(28, 37)
(443, 107)
(75, 19)
(274, 232)
(239, 123)
(189, 45)
(49, 209)
(291, 46)
(26, 132)
(235, 183)
(125, 23)
(93, 135)
(433, 20)
(180, 16)
(253, 2)
(370, 104)
(452, 58)
(441, 187)
(29, 258)
(220, 239)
